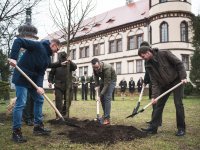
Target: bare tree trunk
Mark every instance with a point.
(69, 74)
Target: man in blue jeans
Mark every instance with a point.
(34, 63)
(108, 76)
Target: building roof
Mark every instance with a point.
(116, 17)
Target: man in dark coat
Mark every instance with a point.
(123, 86)
(75, 84)
(92, 88)
(139, 84)
(131, 87)
(34, 63)
(59, 76)
(165, 71)
(84, 81)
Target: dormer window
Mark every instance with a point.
(96, 25)
(110, 20)
(84, 29)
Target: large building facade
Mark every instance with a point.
(114, 36)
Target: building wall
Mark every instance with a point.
(158, 13)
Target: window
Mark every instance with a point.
(139, 66)
(130, 66)
(96, 50)
(131, 44)
(84, 52)
(86, 69)
(102, 48)
(184, 31)
(139, 40)
(111, 46)
(119, 45)
(185, 60)
(164, 32)
(73, 54)
(80, 71)
(118, 68)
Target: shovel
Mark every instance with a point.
(159, 97)
(138, 103)
(97, 108)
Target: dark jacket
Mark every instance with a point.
(164, 69)
(34, 61)
(59, 75)
(123, 85)
(107, 74)
(131, 85)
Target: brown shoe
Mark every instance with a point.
(106, 122)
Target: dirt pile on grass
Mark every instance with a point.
(87, 131)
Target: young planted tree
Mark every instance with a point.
(68, 16)
(195, 63)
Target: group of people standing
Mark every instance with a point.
(164, 69)
(131, 87)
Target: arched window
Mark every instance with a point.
(184, 31)
(164, 32)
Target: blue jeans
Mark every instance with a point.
(21, 93)
(106, 100)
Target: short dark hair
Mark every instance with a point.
(145, 43)
(56, 41)
(143, 50)
(94, 61)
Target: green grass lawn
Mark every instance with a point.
(164, 140)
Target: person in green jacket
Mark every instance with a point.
(107, 74)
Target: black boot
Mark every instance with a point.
(40, 130)
(180, 132)
(17, 136)
(150, 130)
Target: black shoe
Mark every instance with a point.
(17, 136)
(40, 130)
(150, 130)
(180, 132)
(148, 122)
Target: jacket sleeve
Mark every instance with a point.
(178, 64)
(51, 75)
(107, 80)
(73, 66)
(155, 87)
(22, 43)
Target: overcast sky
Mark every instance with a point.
(42, 20)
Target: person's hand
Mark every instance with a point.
(12, 62)
(40, 90)
(97, 88)
(50, 85)
(64, 62)
(98, 99)
(154, 101)
(184, 81)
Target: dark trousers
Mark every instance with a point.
(75, 88)
(84, 91)
(59, 96)
(180, 115)
(28, 111)
(92, 92)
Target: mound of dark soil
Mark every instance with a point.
(87, 131)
